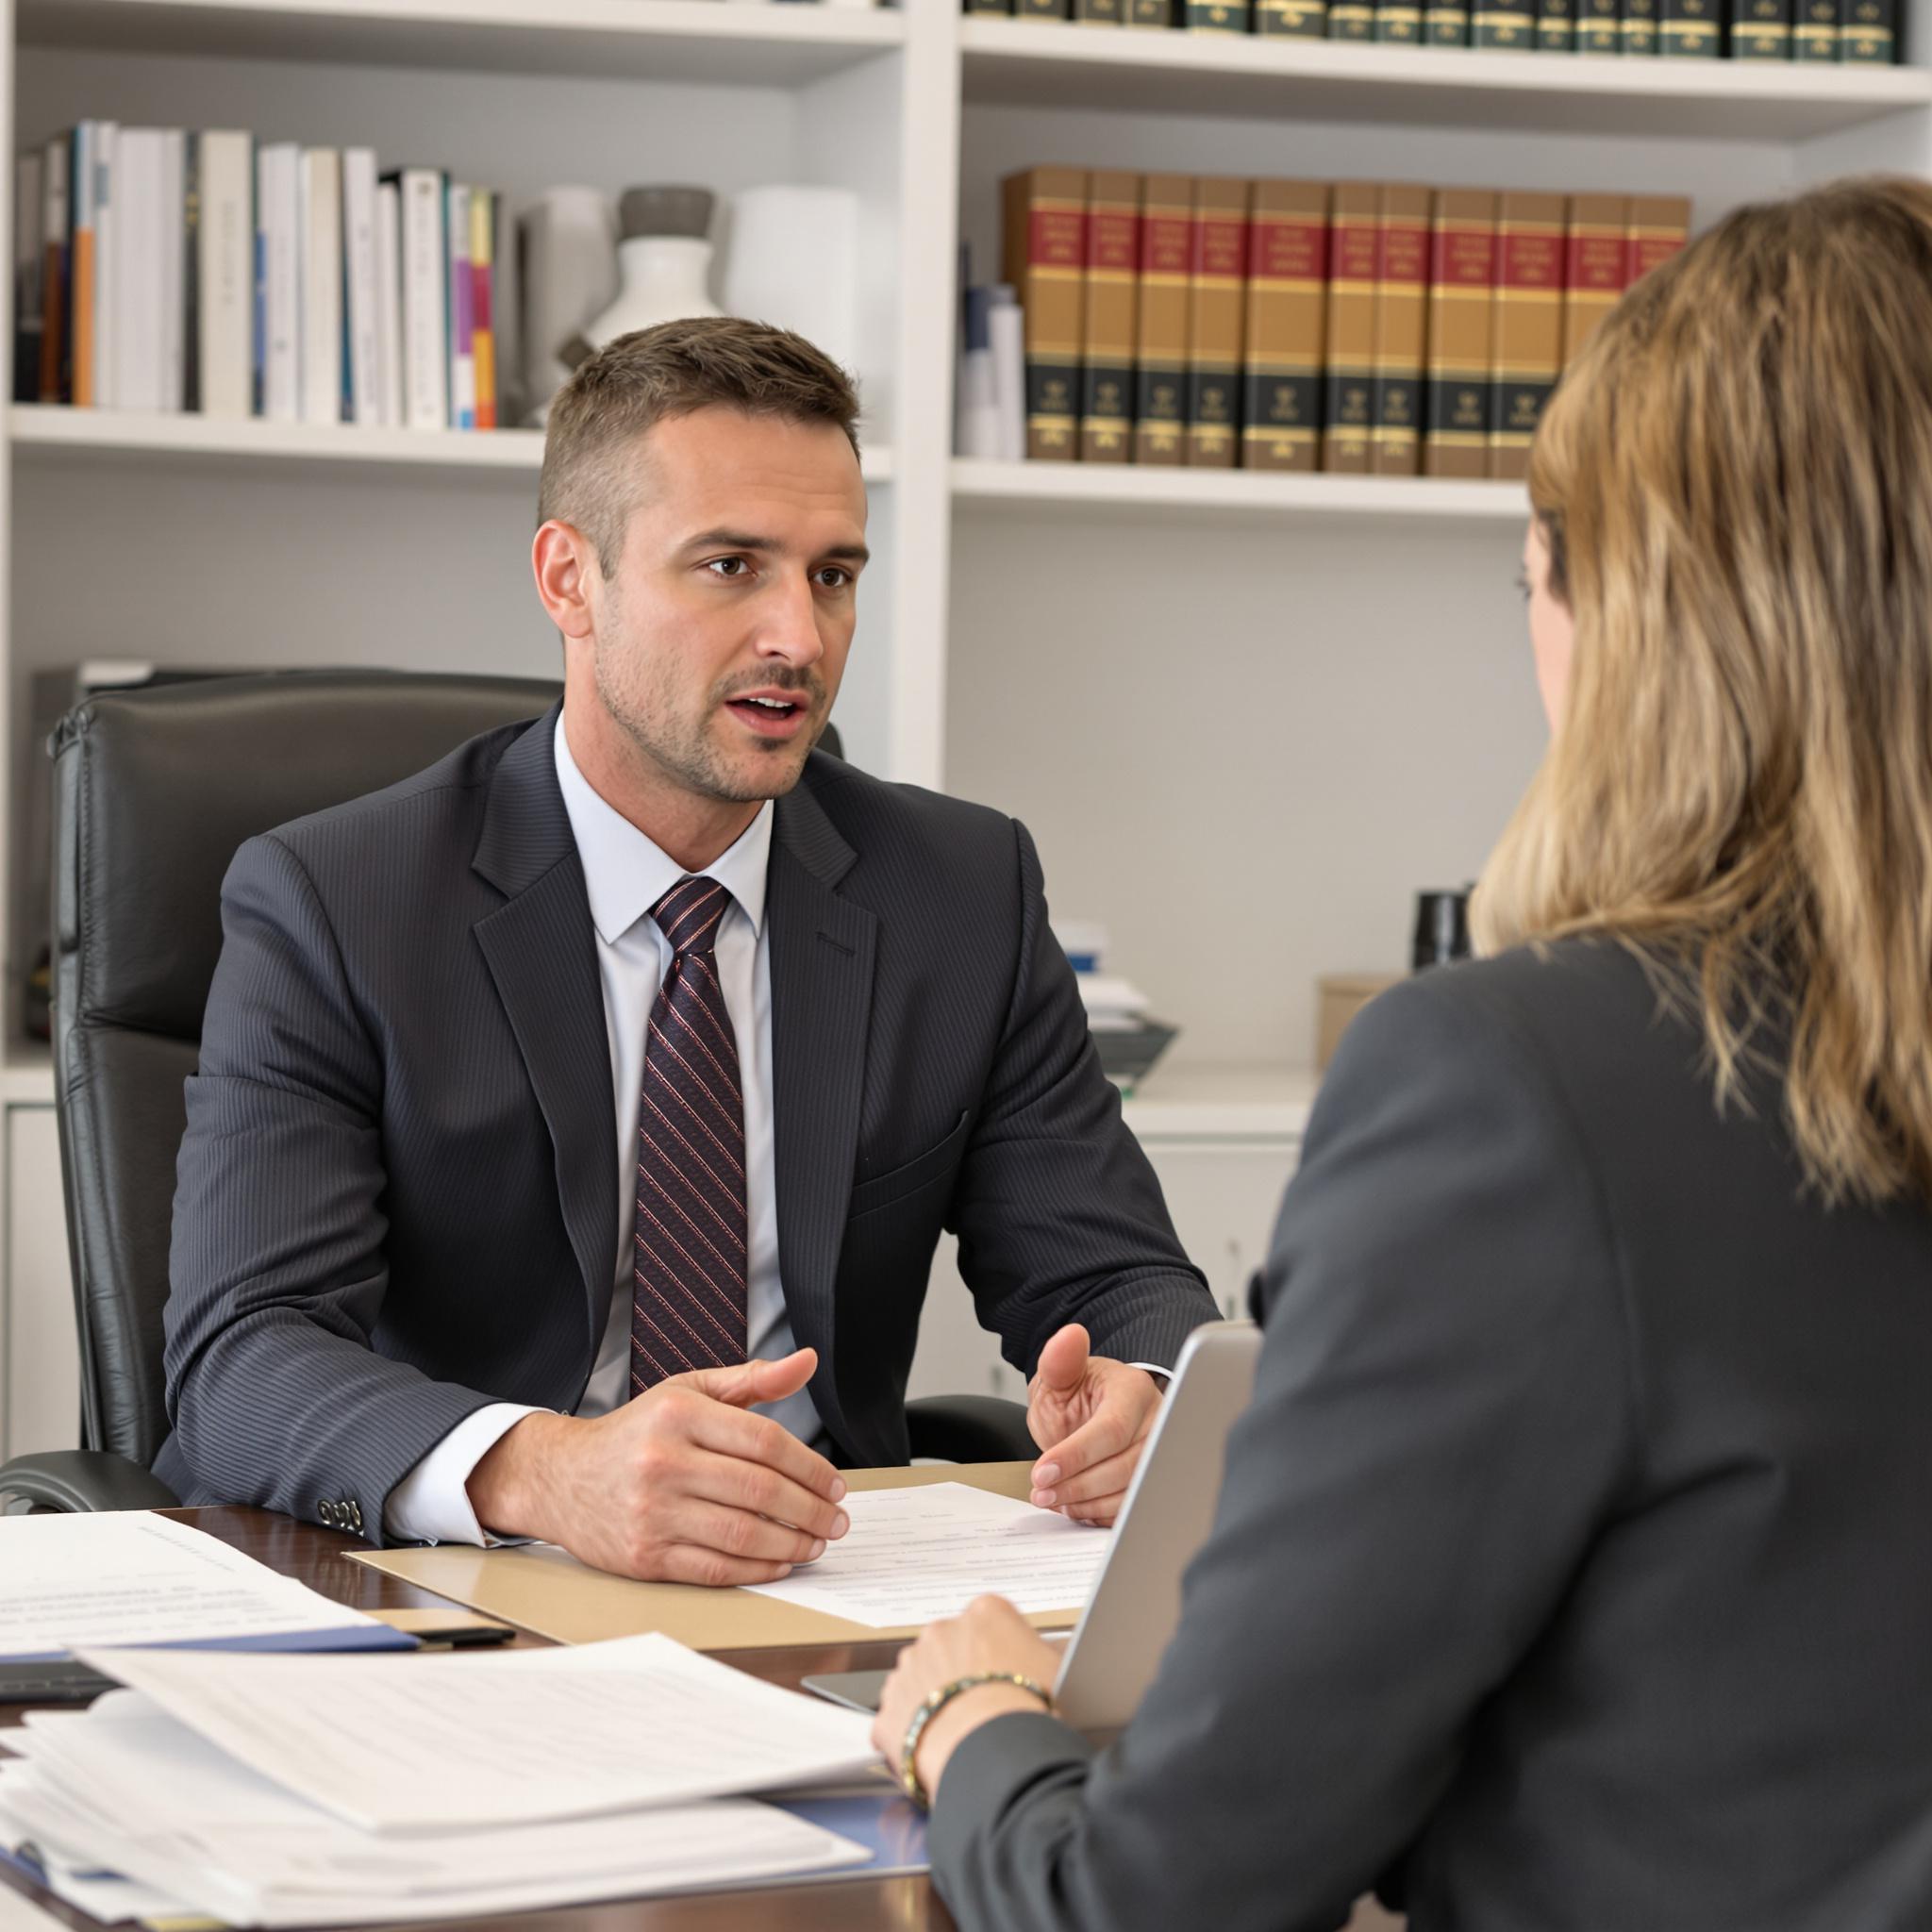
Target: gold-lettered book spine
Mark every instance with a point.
(1304, 19)
(1351, 20)
(1287, 300)
(1218, 16)
(1760, 30)
(1815, 32)
(1595, 266)
(1401, 285)
(1045, 261)
(1106, 362)
(1217, 278)
(1530, 323)
(1160, 346)
(1446, 26)
(1348, 398)
(1462, 324)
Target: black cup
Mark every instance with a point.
(1442, 928)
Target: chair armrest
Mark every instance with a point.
(84, 1479)
(970, 1429)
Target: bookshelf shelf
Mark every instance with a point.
(659, 40)
(45, 432)
(1024, 63)
(1218, 1104)
(1226, 496)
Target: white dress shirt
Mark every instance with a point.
(626, 874)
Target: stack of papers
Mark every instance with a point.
(1113, 1005)
(290, 1791)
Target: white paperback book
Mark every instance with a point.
(226, 293)
(101, 167)
(322, 286)
(358, 255)
(131, 267)
(277, 203)
(425, 343)
(388, 303)
(171, 246)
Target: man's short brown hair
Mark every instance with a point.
(637, 381)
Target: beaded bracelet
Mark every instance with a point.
(908, 1775)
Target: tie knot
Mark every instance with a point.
(688, 913)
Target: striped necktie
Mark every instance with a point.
(688, 1249)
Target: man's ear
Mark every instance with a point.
(563, 559)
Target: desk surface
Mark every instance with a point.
(317, 1557)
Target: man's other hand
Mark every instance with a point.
(680, 1485)
(1091, 1417)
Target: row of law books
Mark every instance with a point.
(1357, 326)
(186, 271)
(1862, 33)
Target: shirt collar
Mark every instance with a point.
(626, 873)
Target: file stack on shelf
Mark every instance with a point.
(1378, 328)
(1128, 1038)
(203, 272)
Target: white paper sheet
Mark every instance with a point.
(18, 1913)
(456, 1742)
(914, 1555)
(130, 1576)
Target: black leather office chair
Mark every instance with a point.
(154, 790)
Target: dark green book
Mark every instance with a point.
(1555, 26)
(1219, 16)
(1599, 26)
(1693, 30)
(1150, 12)
(1760, 30)
(1638, 26)
(1868, 32)
(1504, 25)
(1399, 22)
(1040, 9)
(1447, 25)
(1099, 12)
(1302, 20)
(1351, 20)
(1001, 9)
(1814, 30)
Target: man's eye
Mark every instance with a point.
(833, 578)
(728, 566)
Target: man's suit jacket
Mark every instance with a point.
(1572, 1568)
(396, 1197)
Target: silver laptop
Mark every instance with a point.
(1117, 1646)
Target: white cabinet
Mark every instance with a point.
(40, 1392)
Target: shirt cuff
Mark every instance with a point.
(1159, 1370)
(431, 1504)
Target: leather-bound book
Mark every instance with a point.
(1815, 31)
(1693, 30)
(1287, 302)
(1402, 292)
(1304, 19)
(1106, 358)
(1046, 263)
(1348, 403)
(1160, 347)
(1868, 32)
(1217, 277)
(1638, 24)
(1656, 228)
(1760, 30)
(1530, 323)
(1555, 26)
(1461, 326)
(1595, 264)
(1599, 26)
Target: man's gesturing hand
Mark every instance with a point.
(680, 1485)
(1089, 1417)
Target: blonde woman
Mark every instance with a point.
(1574, 1567)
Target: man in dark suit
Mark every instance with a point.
(565, 1107)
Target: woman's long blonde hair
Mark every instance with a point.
(1735, 477)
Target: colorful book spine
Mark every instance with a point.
(1555, 26)
(1046, 255)
(1446, 23)
(1693, 30)
(1868, 32)
(56, 370)
(1637, 25)
(1217, 277)
(1658, 225)
(1595, 265)
(1351, 20)
(482, 280)
(1399, 23)
(1287, 298)
(1302, 20)
(1815, 31)
(1401, 289)
(1160, 345)
(1505, 24)
(1530, 323)
(1461, 325)
(1760, 30)
(1348, 404)
(1107, 354)
(86, 239)
(1220, 16)
(1599, 26)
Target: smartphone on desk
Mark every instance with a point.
(458, 1628)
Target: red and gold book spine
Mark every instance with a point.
(1595, 266)
(1217, 280)
(1106, 362)
(1348, 404)
(1658, 226)
(1530, 323)
(1160, 343)
(1402, 290)
(1463, 302)
(1046, 263)
(1286, 305)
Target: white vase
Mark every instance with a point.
(794, 263)
(660, 278)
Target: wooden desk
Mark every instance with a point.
(866, 1905)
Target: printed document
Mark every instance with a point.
(130, 1576)
(913, 1555)
(455, 1742)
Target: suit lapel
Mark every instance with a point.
(542, 952)
(822, 965)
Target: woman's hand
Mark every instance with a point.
(989, 1635)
